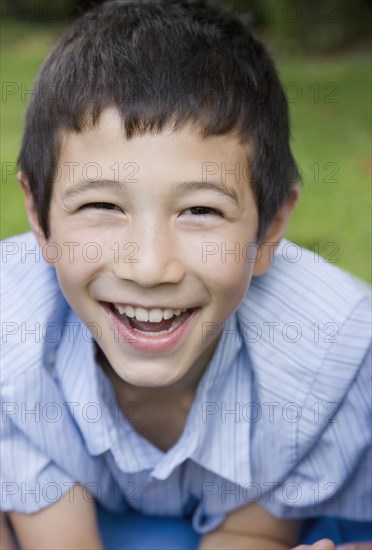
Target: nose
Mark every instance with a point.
(150, 256)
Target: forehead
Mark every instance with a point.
(103, 149)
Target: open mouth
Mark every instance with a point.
(153, 322)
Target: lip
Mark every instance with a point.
(142, 342)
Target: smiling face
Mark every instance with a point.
(143, 224)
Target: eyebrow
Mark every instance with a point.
(216, 186)
(98, 185)
(92, 185)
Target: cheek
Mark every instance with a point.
(71, 280)
(224, 245)
(76, 266)
(228, 263)
(79, 251)
(86, 247)
(228, 280)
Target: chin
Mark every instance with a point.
(148, 376)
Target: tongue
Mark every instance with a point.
(146, 326)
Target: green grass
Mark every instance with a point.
(23, 48)
(331, 142)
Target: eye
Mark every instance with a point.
(204, 211)
(102, 206)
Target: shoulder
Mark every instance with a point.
(306, 327)
(304, 281)
(31, 303)
(306, 298)
(24, 268)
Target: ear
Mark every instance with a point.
(31, 210)
(275, 233)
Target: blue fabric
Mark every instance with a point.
(281, 415)
(339, 531)
(135, 531)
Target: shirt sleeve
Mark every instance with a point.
(30, 481)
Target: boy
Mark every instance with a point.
(159, 182)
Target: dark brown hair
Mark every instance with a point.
(160, 62)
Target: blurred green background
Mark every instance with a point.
(321, 48)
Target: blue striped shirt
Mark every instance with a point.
(282, 414)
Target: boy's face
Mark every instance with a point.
(132, 230)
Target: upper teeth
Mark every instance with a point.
(152, 315)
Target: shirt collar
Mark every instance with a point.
(93, 404)
(85, 385)
(213, 435)
(94, 408)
